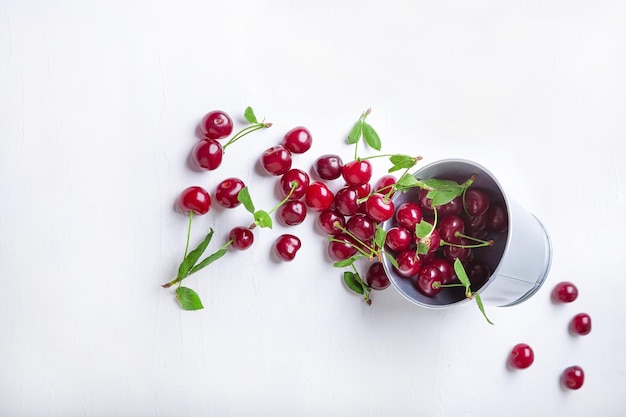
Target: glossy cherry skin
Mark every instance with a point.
(521, 356)
(376, 277)
(341, 247)
(476, 224)
(361, 226)
(385, 185)
(564, 292)
(425, 203)
(328, 167)
(298, 140)
(427, 280)
(580, 324)
(476, 201)
(408, 214)
(346, 201)
(573, 377)
(194, 199)
(446, 268)
(291, 213)
(207, 154)
(318, 196)
(276, 160)
(497, 218)
(363, 190)
(453, 207)
(379, 208)
(287, 246)
(408, 264)
(242, 238)
(227, 191)
(449, 226)
(327, 220)
(216, 125)
(357, 172)
(451, 253)
(297, 177)
(478, 272)
(398, 239)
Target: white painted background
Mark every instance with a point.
(99, 101)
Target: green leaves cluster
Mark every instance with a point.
(364, 130)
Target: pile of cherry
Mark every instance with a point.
(352, 217)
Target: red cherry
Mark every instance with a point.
(361, 226)
(216, 125)
(341, 247)
(298, 140)
(449, 228)
(242, 237)
(376, 277)
(476, 201)
(276, 160)
(427, 279)
(227, 191)
(564, 292)
(194, 199)
(453, 207)
(408, 263)
(379, 208)
(497, 218)
(318, 197)
(521, 356)
(327, 220)
(291, 213)
(207, 154)
(580, 324)
(384, 185)
(346, 201)
(301, 180)
(408, 215)
(573, 377)
(286, 247)
(328, 167)
(446, 268)
(357, 172)
(398, 239)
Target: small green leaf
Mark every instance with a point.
(439, 184)
(263, 219)
(248, 114)
(355, 134)
(461, 274)
(371, 137)
(188, 298)
(423, 229)
(192, 257)
(401, 162)
(347, 262)
(209, 260)
(441, 197)
(244, 198)
(406, 182)
(422, 248)
(481, 307)
(353, 282)
(391, 259)
(380, 236)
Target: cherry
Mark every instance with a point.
(227, 191)
(318, 197)
(216, 125)
(379, 208)
(476, 201)
(580, 324)
(425, 203)
(446, 268)
(276, 160)
(328, 219)
(286, 246)
(454, 207)
(242, 237)
(341, 247)
(573, 377)
(194, 199)
(449, 228)
(291, 213)
(298, 140)
(361, 226)
(357, 172)
(376, 277)
(564, 292)
(301, 180)
(521, 356)
(461, 252)
(408, 214)
(476, 224)
(497, 218)
(346, 201)
(207, 154)
(398, 239)
(328, 167)
(428, 280)
(478, 272)
(363, 190)
(385, 185)
(408, 263)
(433, 241)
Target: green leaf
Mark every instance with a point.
(192, 257)
(380, 236)
(439, 184)
(407, 181)
(355, 134)
(353, 282)
(461, 274)
(481, 307)
(209, 260)
(262, 219)
(244, 198)
(347, 262)
(391, 259)
(401, 162)
(423, 229)
(188, 298)
(371, 137)
(248, 114)
(440, 198)
(422, 248)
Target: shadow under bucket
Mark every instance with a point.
(519, 259)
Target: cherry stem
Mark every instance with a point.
(294, 184)
(188, 233)
(346, 231)
(243, 132)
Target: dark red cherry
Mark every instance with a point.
(298, 140)
(451, 253)
(227, 192)
(242, 238)
(573, 377)
(291, 177)
(478, 272)
(327, 220)
(346, 201)
(408, 263)
(276, 160)
(408, 215)
(216, 125)
(497, 218)
(398, 239)
(450, 228)
(291, 213)
(453, 207)
(207, 154)
(376, 277)
(476, 201)
(385, 185)
(446, 268)
(287, 246)
(318, 196)
(361, 226)
(328, 167)
(564, 292)
(580, 324)
(428, 280)
(341, 247)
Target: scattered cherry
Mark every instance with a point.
(357, 172)
(276, 160)
(318, 196)
(242, 237)
(194, 199)
(291, 213)
(207, 154)
(227, 191)
(564, 292)
(573, 377)
(216, 125)
(328, 167)
(341, 247)
(521, 356)
(328, 220)
(287, 180)
(286, 246)
(298, 140)
(384, 185)
(376, 277)
(580, 324)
